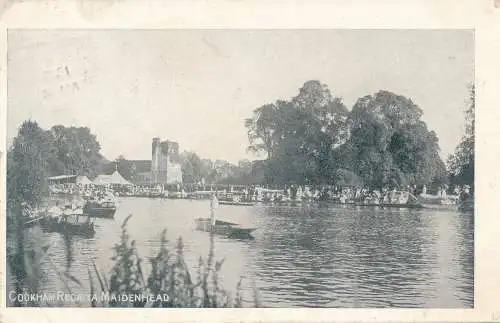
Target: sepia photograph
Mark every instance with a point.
(244, 168)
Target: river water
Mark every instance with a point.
(300, 257)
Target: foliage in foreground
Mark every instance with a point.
(169, 275)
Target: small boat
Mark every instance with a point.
(156, 192)
(394, 199)
(201, 195)
(27, 222)
(467, 205)
(229, 229)
(442, 207)
(236, 203)
(31, 222)
(96, 209)
(393, 205)
(65, 226)
(438, 202)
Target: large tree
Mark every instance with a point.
(36, 154)
(194, 169)
(390, 145)
(314, 139)
(299, 136)
(28, 162)
(76, 150)
(461, 163)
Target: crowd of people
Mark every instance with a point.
(253, 193)
(352, 194)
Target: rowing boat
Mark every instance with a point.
(67, 227)
(236, 203)
(228, 229)
(100, 210)
(392, 205)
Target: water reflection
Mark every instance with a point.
(317, 257)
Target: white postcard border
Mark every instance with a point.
(480, 15)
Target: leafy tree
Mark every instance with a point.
(244, 173)
(314, 139)
(299, 136)
(323, 127)
(194, 169)
(76, 151)
(263, 128)
(37, 154)
(27, 164)
(461, 163)
(389, 145)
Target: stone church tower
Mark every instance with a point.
(165, 162)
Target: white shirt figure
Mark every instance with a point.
(299, 193)
(77, 209)
(54, 211)
(214, 203)
(68, 210)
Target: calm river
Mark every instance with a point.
(300, 257)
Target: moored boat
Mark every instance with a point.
(27, 222)
(100, 209)
(467, 205)
(393, 205)
(236, 203)
(395, 199)
(229, 229)
(201, 195)
(31, 222)
(101, 206)
(443, 207)
(156, 192)
(65, 226)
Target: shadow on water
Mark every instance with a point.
(68, 248)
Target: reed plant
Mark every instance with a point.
(168, 275)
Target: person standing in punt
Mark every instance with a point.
(214, 203)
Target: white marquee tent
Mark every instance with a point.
(114, 179)
(83, 180)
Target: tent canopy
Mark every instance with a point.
(102, 180)
(62, 179)
(117, 178)
(114, 179)
(83, 180)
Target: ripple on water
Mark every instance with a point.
(300, 257)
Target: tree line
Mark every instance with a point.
(195, 170)
(311, 139)
(36, 154)
(381, 142)
(461, 163)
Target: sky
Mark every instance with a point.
(196, 87)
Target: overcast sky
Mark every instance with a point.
(197, 86)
